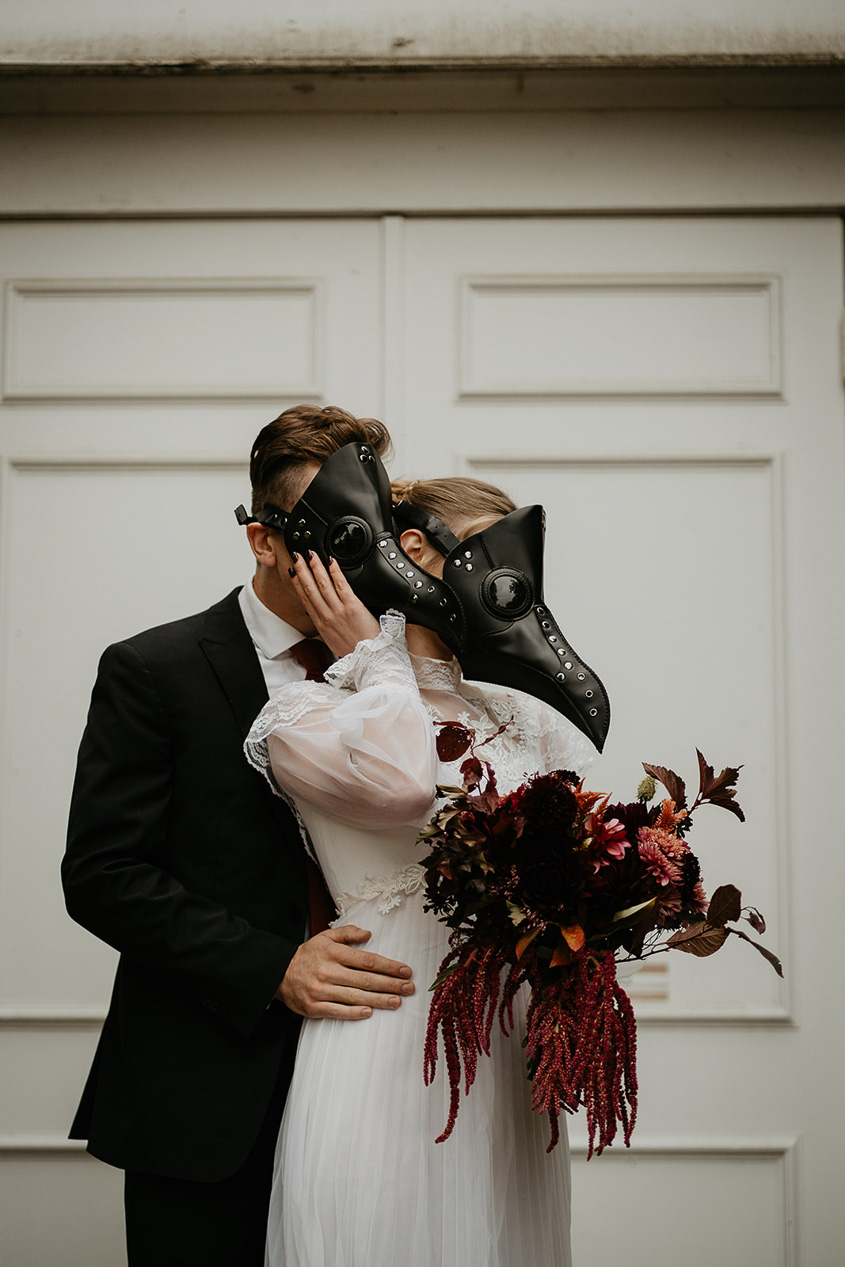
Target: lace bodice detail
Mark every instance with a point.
(357, 757)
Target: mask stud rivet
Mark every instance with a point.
(413, 598)
(552, 638)
(443, 602)
(392, 554)
(541, 611)
(561, 651)
(296, 536)
(409, 575)
(469, 567)
(582, 677)
(400, 567)
(467, 554)
(302, 523)
(430, 589)
(417, 586)
(561, 677)
(546, 625)
(589, 694)
(457, 562)
(382, 544)
(568, 664)
(594, 712)
(306, 535)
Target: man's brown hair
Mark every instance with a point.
(302, 434)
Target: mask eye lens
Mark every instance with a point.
(349, 540)
(507, 593)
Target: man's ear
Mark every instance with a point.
(264, 542)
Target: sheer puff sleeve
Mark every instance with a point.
(361, 745)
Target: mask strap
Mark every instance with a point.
(270, 516)
(436, 531)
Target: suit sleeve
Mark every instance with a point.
(114, 881)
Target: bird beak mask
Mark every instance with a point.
(488, 608)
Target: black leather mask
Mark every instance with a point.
(346, 512)
(509, 634)
(489, 607)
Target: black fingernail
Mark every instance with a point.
(291, 572)
(309, 556)
(295, 557)
(330, 559)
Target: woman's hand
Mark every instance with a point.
(339, 616)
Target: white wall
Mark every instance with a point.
(551, 161)
(400, 32)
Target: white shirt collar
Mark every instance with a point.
(271, 635)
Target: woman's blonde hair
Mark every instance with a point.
(464, 505)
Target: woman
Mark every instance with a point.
(359, 1180)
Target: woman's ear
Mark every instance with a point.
(414, 544)
(420, 550)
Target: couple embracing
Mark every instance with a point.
(247, 1134)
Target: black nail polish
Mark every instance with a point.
(329, 559)
(295, 557)
(309, 556)
(291, 572)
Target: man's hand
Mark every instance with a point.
(330, 977)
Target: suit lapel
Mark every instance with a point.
(230, 652)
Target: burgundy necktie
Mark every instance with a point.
(315, 658)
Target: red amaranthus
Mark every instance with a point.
(547, 886)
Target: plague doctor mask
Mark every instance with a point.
(489, 608)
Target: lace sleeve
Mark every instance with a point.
(381, 659)
(360, 745)
(563, 747)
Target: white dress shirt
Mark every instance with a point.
(272, 638)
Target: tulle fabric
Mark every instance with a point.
(359, 1180)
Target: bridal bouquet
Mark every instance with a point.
(552, 885)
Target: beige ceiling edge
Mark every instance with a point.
(833, 57)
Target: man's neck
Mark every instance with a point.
(281, 600)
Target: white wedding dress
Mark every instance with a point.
(359, 1180)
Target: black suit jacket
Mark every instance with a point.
(180, 856)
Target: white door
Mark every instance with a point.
(671, 390)
(139, 363)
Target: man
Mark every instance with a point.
(180, 856)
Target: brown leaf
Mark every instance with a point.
(525, 941)
(755, 919)
(727, 802)
(672, 782)
(562, 954)
(471, 771)
(725, 904)
(698, 939)
(719, 789)
(453, 741)
(767, 954)
(573, 936)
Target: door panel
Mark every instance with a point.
(139, 362)
(671, 391)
